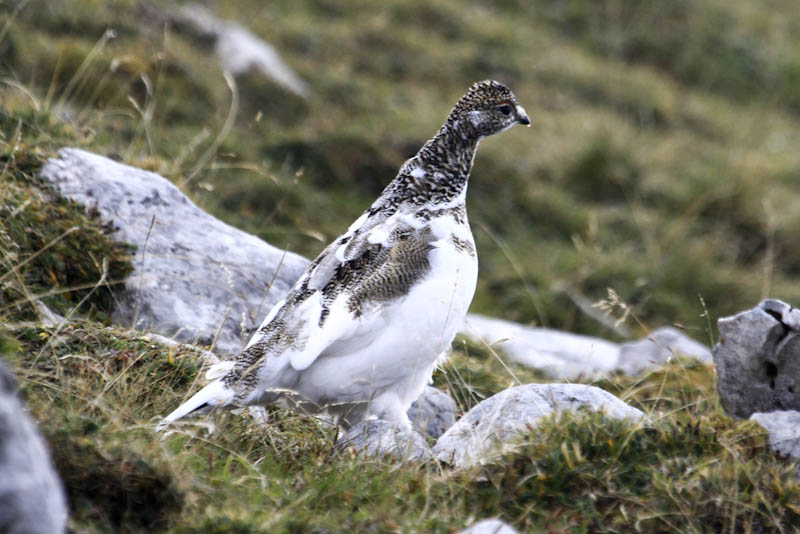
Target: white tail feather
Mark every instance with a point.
(213, 395)
(219, 369)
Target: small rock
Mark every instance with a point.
(31, 497)
(238, 49)
(196, 279)
(784, 431)
(47, 316)
(433, 412)
(636, 357)
(489, 526)
(758, 359)
(378, 438)
(489, 426)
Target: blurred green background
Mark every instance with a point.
(662, 161)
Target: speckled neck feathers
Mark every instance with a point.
(439, 172)
(444, 164)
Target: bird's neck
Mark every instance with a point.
(445, 162)
(452, 149)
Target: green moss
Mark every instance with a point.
(112, 488)
(687, 469)
(113, 480)
(602, 173)
(676, 37)
(220, 525)
(54, 249)
(594, 473)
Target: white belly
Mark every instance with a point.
(416, 331)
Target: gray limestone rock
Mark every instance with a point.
(758, 359)
(566, 356)
(784, 431)
(196, 279)
(489, 526)
(561, 355)
(433, 412)
(636, 357)
(379, 438)
(487, 428)
(237, 48)
(31, 497)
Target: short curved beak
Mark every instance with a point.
(522, 117)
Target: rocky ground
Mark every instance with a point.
(659, 185)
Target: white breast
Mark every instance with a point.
(417, 329)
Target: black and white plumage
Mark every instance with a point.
(361, 331)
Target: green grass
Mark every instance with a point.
(605, 475)
(52, 249)
(97, 392)
(661, 163)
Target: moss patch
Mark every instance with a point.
(595, 474)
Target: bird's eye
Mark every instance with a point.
(505, 109)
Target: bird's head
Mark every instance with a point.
(489, 107)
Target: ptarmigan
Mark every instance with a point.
(360, 333)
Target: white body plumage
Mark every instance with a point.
(382, 366)
(361, 332)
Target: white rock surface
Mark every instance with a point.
(378, 438)
(566, 356)
(636, 357)
(238, 49)
(433, 412)
(784, 431)
(31, 497)
(486, 430)
(489, 526)
(758, 359)
(196, 278)
(560, 355)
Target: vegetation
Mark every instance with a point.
(660, 163)
(97, 391)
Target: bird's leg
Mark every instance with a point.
(389, 407)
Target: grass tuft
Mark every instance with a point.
(53, 249)
(594, 473)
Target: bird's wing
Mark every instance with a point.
(337, 305)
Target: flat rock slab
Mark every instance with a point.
(561, 355)
(378, 439)
(488, 427)
(567, 356)
(758, 359)
(489, 526)
(656, 349)
(196, 279)
(31, 497)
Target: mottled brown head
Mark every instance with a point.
(489, 107)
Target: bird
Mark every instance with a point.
(361, 332)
